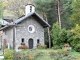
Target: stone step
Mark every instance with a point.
(1, 57)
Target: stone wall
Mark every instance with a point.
(22, 32)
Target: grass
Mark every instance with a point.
(44, 54)
(47, 54)
(74, 53)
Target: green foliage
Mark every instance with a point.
(1, 9)
(55, 47)
(48, 10)
(45, 54)
(77, 47)
(19, 56)
(76, 11)
(41, 4)
(62, 54)
(39, 46)
(8, 54)
(66, 12)
(30, 55)
(60, 36)
(76, 38)
(17, 7)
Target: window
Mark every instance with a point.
(31, 29)
(22, 39)
(38, 41)
(30, 8)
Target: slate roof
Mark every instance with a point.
(34, 15)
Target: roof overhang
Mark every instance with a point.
(34, 15)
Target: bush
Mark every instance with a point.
(60, 36)
(39, 46)
(22, 43)
(31, 55)
(66, 51)
(76, 38)
(56, 47)
(8, 54)
(23, 47)
(66, 45)
(77, 47)
(18, 56)
(62, 54)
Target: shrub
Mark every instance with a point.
(60, 36)
(66, 45)
(22, 43)
(76, 38)
(65, 51)
(8, 54)
(39, 46)
(62, 54)
(23, 47)
(77, 47)
(55, 47)
(32, 54)
(18, 56)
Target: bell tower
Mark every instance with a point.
(29, 7)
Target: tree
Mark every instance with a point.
(3, 5)
(53, 13)
(56, 12)
(17, 7)
(47, 10)
(64, 12)
(1, 9)
(59, 14)
(76, 11)
(60, 36)
(76, 38)
(44, 12)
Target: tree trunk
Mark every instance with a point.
(48, 34)
(59, 17)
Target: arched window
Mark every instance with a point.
(30, 28)
(30, 8)
(22, 40)
(38, 41)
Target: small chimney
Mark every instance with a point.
(29, 8)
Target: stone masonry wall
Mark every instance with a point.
(22, 32)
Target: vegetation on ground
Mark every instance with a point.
(41, 54)
(63, 36)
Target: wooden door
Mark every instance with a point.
(30, 42)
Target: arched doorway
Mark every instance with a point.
(30, 42)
